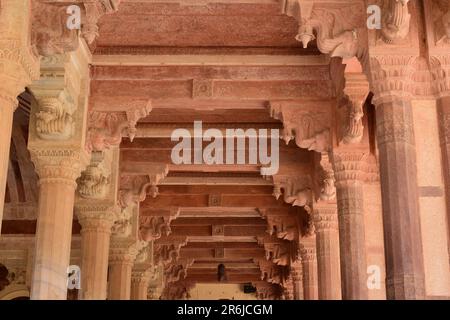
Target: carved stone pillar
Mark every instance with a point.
(398, 173)
(121, 260)
(327, 243)
(143, 271)
(309, 266)
(139, 285)
(97, 210)
(19, 66)
(444, 118)
(57, 169)
(349, 191)
(120, 266)
(297, 278)
(96, 224)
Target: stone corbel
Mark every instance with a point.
(106, 129)
(166, 253)
(283, 226)
(272, 273)
(295, 190)
(54, 119)
(395, 20)
(94, 10)
(309, 129)
(277, 251)
(440, 14)
(50, 33)
(95, 180)
(134, 188)
(336, 30)
(178, 270)
(153, 227)
(356, 92)
(325, 178)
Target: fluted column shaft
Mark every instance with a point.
(120, 267)
(95, 238)
(401, 220)
(327, 246)
(57, 170)
(349, 193)
(309, 266)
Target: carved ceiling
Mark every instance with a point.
(161, 65)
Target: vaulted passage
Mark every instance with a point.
(254, 149)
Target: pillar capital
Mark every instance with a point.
(125, 250)
(325, 216)
(61, 165)
(348, 166)
(307, 249)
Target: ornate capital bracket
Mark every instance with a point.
(166, 253)
(352, 113)
(177, 270)
(133, 188)
(311, 130)
(283, 226)
(272, 273)
(325, 178)
(280, 252)
(153, 227)
(395, 20)
(94, 181)
(106, 129)
(336, 29)
(296, 190)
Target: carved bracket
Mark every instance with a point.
(50, 34)
(94, 181)
(153, 227)
(134, 188)
(106, 129)
(311, 130)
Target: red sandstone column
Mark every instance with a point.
(57, 170)
(95, 236)
(398, 173)
(120, 266)
(297, 278)
(349, 192)
(309, 266)
(18, 68)
(444, 123)
(139, 285)
(327, 243)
